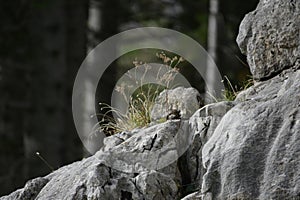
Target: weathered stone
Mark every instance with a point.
(114, 140)
(185, 100)
(107, 176)
(154, 147)
(254, 153)
(156, 186)
(201, 125)
(269, 36)
(205, 120)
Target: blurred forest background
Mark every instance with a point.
(42, 45)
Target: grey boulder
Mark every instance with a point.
(254, 152)
(269, 36)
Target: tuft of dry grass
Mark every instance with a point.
(141, 101)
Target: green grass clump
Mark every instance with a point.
(230, 92)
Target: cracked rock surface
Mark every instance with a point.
(254, 152)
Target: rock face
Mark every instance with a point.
(202, 125)
(254, 153)
(246, 149)
(269, 36)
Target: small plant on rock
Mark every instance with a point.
(139, 103)
(230, 92)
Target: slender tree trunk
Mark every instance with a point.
(103, 22)
(88, 105)
(211, 73)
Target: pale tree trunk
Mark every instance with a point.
(211, 72)
(103, 22)
(88, 105)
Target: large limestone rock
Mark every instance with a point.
(269, 36)
(254, 153)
